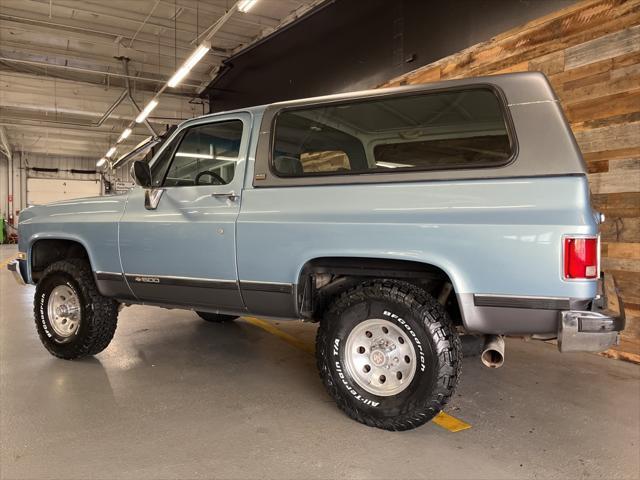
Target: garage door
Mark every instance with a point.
(47, 190)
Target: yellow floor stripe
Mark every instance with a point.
(444, 420)
(450, 423)
(290, 339)
(6, 261)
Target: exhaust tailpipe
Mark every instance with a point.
(493, 351)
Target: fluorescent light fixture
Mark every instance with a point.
(245, 5)
(189, 63)
(124, 135)
(101, 162)
(111, 151)
(147, 110)
(194, 155)
(392, 165)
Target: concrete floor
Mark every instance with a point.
(176, 397)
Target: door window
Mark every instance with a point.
(207, 155)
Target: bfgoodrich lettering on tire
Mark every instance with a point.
(72, 318)
(388, 354)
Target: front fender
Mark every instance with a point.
(33, 239)
(91, 222)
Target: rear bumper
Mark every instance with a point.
(597, 329)
(580, 324)
(17, 268)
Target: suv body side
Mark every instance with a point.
(495, 232)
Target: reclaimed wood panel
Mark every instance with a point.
(602, 48)
(614, 137)
(604, 107)
(614, 182)
(623, 250)
(590, 52)
(621, 229)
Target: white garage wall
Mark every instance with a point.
(41, 191)
(23, 164)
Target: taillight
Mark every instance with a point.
(580, 257)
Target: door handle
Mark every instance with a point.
(230, 195)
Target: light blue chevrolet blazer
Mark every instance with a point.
(403, 220)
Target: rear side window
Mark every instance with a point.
(432, 131)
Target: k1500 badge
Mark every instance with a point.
(147, 279)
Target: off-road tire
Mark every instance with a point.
(99, 315)
(216, 317)
(424, 319)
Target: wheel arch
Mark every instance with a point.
(321, 278)
(43, 250)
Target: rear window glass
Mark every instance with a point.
(433, 131)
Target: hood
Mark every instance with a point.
(111, 204)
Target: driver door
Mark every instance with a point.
(183, 251)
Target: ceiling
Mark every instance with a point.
(62, 65)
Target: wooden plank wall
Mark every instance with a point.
(591, 54)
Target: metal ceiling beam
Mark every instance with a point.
(125, 94)
(128, 16)
(88, 58)
(81, 130)
(247, 18)
(208, 33)
(111, 34)
(72, 97)
(153, 9)
(35, 33)
(90, 71)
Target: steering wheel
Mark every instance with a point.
(219, 180)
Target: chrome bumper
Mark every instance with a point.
(597, 329)
(16, 267)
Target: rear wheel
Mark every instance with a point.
(388, 354)
(72, 319)
(216, 317)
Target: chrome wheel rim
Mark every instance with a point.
(63, 309)
(380, 357)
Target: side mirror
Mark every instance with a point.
(141, 173)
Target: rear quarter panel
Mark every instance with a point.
(498, 236)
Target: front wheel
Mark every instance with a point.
(388, 354)
(72, 319)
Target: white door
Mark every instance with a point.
(47, 190)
